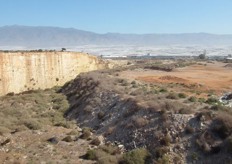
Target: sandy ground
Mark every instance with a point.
(212, 76)
(32, 147)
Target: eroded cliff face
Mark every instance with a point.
(21, 71)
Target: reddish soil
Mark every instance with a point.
(212, 76)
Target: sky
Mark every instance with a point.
(122, 16)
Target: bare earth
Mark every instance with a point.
(32, 147)
(201, 77)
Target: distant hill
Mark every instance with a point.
(29, 36)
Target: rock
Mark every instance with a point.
(121, 147)
(78, 129)
(8, 140)
(53, 140)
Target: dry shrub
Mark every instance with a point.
(192, 99)
(164, 160)
(86, 134)
(154, 107)
(182, 95)
(88, 109)
(32, 124)
(189, 130)
(205, 115)
(104, 155)
(164, 115)
(158, 135)
(140, 121)
(110, 130)
(223, 125)
(32, 110)
(137, 156)
(110, 149)
(132, 109)
(176, 107)
(177, 159)
(90, 155)
(228, 144)
(73, 132)
(172, 96)
(67, 139)
(3, 130)
(186, 111)
(129, 125)
(96, 141)
(137, 92)
(170, 106)
(161, 151)
(100, 115)
(205, 141)
(212, 101)
(166, 140)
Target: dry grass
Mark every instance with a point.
(137, 156)
(223, 125)
(32, 110)
(140, 122)
(104, 155)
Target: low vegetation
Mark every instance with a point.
(32, 110)
(141, 121)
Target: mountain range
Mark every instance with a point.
(30, 36)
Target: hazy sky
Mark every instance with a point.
(123, 16)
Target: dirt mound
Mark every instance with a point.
(172, 78)
(228, 66)
(166, 68)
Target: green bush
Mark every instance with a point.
(63, 124)
(95, 141)
(202, 100)
(172, 96)
(133, 82)
(212, 101)
(161, 151)
(182, 95)
(104, 155)
(166, 140)
(32, 109)
(91, 155)
(219, 108)
(163, 90)
(86, 134)
(163, 160)
(73, 132)
(100, 115)
(113, 150)
(33, 125)
(192, 99)
(137, 156)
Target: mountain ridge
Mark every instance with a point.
(47, 36)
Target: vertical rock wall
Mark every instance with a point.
(21, 71)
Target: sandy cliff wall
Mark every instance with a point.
(23, 71)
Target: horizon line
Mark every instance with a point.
(122, 33)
